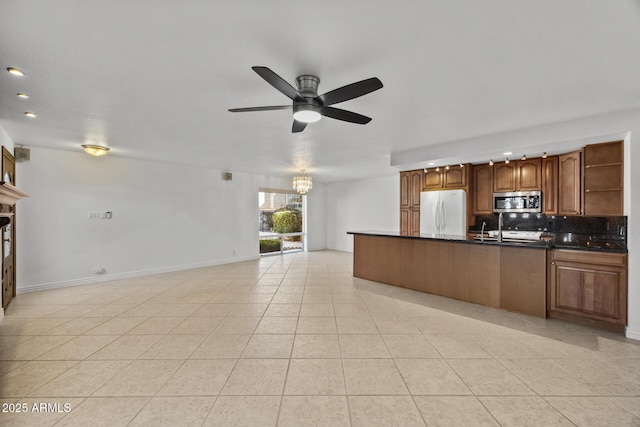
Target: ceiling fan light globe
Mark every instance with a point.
(307, 116)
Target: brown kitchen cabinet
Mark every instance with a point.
(521, 175)
(504, 177)
(570, 183)
(603, 179)
(588, 286)
(482, 189)
(550, 185)
(442, 178)
(410, 187)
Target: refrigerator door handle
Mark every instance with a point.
(436, 215)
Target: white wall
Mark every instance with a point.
(316, 221)
(5, 140)
(165, 217)
(365, 204)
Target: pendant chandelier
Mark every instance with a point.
(302, 183)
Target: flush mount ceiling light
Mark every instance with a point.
(22, 95)
(15, 71)
(302, 183)
(95, 150)
(30, 114)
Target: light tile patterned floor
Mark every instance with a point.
(295, 340)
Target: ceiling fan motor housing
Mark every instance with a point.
(308, 85)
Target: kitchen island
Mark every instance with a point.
(507, 275)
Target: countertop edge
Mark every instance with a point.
(463, 239)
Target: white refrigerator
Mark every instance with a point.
(443, 212)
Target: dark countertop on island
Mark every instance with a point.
(550, 241)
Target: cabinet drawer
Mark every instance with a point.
(588, 257)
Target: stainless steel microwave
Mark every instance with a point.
(520, 202)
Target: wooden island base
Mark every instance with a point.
(508, 277)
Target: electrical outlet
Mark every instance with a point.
(93, 215)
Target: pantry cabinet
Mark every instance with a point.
(410, 187)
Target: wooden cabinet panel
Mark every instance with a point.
(416, 187)
(455, 177)
(404, 221)
(550, 185)
(433, 179)
(523, 280)
(570, 184)
(482, 189)
(589, 285)
(410, 187)
(603, 179)
(405, 197)
(414, 222)
(528, 175)
(504, 177)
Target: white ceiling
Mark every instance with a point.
(153, 79)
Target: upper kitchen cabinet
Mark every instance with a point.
(528, 175)
(603, 179)
(521, 175)
(450, 177)
(504, 177)
(482, 189)
(570, 183)
(550, 185)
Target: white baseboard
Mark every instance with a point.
(634, 335)
(127, 275)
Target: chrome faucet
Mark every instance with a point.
(500, 224)
(484, 224)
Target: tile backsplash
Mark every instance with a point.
(610, 226)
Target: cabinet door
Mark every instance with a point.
(416, 187)
(504, 178)
(570, 184)
(405, 178)
(588, 290)
(550, 185)
(482, 189)
(404, 221)
(414, 222)
(528, 175)
(433, 179)
(455, 177)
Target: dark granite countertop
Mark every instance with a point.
(550, 240)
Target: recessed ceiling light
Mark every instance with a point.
(22, 95)
(431, 163)
(15, 71)
(30, 114)
(507, 153)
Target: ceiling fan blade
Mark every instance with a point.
(278, 82)
(351, 91)
(273, 107)
(298, 126)
(344, 115)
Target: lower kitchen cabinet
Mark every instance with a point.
(588, 286)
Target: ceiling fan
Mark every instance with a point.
(308, 106)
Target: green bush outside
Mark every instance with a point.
(269, 245)
(288, 222)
